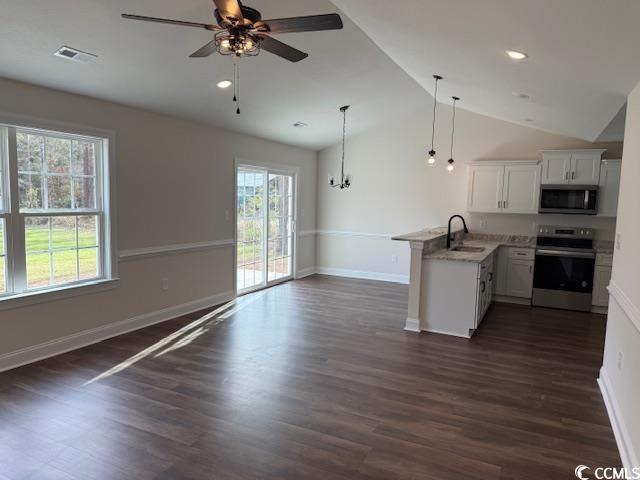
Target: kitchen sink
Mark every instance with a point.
(466, 248)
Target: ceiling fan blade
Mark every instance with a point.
(230, 10)
(170, 22)
(205, 51)
(310, 23)
(281, 49)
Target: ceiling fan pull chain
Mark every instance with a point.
(238, 87)
(235, 82)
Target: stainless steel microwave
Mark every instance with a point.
(572, 199)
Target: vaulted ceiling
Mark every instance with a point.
(147, 65)
(582, 56)
(582, 62)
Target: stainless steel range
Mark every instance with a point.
(564, 267)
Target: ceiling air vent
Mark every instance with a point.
(75, 55)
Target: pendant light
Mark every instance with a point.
(431, 159)
(345, 182)
(451, 162)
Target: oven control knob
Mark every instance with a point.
(584, 284)
(588, 232)
(581, 232)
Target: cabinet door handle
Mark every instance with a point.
(530, 269)
(504, 204)
(499, 204)
(484, 286)
(491, 276)
(566, 176)
(573, 175)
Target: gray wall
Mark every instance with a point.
(395, 192)
(174, 183)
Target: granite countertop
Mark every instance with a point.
(474, 257)
(423, 235)
(434, 239)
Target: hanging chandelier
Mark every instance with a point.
(451, 161)
(431, 159)
(345, 181)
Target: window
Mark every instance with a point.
(54, 227)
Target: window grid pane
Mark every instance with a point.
(61, 249)
(56, 173)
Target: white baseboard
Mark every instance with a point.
(383, 277)
(442, 332)
(305, 272)
(89, 337)
(625, 447)
(412, 325)
(514, 300)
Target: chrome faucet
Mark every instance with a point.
(466, 230)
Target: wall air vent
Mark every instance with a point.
(75, 55)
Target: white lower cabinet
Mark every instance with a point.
(456, 295)
(601, 279)
(515, 272)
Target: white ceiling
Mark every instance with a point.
(583, 55)
(583, 62)
(147, 65)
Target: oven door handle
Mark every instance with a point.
(564, 253)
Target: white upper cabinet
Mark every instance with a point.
(506, 187)
(521, 191)
(585, 167)
(574, 167)
(609, 188)
(485, 188)
(556, 168)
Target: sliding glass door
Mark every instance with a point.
(265, 224)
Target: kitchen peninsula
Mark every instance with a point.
(450, 289)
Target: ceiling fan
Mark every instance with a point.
(240, 30)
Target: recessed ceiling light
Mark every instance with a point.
(225, 84)
(516, 55)
(523, 96)
(300, 125)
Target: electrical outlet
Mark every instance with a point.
(618, 241)
(483, 224)
(165, 284)
(394, 258)
(619, 360)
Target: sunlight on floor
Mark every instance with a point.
(185, 335)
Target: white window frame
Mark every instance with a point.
(17, 294)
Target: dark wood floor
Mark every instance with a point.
(315, 379)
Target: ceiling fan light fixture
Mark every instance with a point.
(224, 84)
(238, 43)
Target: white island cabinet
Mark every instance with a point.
(457, 295)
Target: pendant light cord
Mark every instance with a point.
(344, 134)
(435, 103)
(453, 126)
